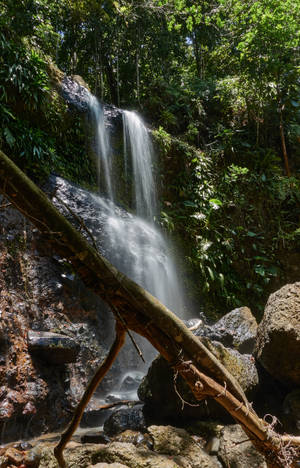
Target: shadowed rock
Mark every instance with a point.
(53, 347)
(169, 399)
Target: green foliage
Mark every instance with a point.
(22, 73)
(234, 222)
(23, 92)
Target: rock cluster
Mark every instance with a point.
(264, 359)
(161, 446)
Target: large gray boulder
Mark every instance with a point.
(237, 330)
(278, 339)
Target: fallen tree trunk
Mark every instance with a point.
(141, 312)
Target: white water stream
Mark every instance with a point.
(133, 242)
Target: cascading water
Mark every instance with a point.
(101, 145)
(138, 144)
(133, 243)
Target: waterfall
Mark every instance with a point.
(101, 145)
(139, 250)
(132, 242)
(138, 142)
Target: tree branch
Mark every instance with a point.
(100, 373)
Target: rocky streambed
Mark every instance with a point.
(203, 445)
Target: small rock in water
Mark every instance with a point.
(95, 438)
(131, 382)
(112, 398)
(131, 418)
(136, 438)
(23, 446)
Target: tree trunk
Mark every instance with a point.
(110, 80)
(144, 314)
(283, 145)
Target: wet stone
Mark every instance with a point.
(94, 417)
(93, 437)
(131, 382)
(237, 330)
(23, 446)
(76, 95)
(136, 438)
(53, 347)
(32, 457)
(130, 418)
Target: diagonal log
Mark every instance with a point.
(135, 305)
(144, 314)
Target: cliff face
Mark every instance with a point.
(38, 292)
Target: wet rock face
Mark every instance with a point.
(53, 347)
(278, 338)
(39, 292)
(75, 93)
